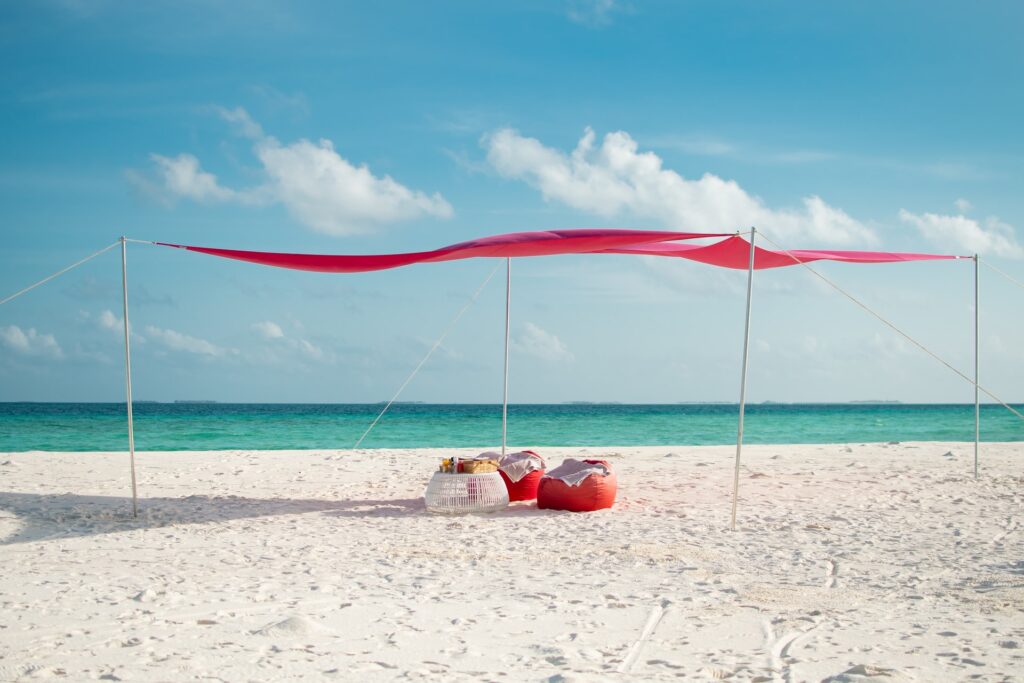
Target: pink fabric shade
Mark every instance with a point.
(732, 252)
(512, 244)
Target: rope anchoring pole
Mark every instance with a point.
(60, 272)
(894, 328)
(433, 348)
(1002, 272)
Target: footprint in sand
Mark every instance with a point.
(292, 626)
(552, 655)
(863, 673)
(559, 678)
(11, 672)
(147, 595)
(832, 569)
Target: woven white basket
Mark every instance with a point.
(458, 493)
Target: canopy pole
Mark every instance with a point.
(743, 382)
(504, 401)
(977, 398)
(128, 374)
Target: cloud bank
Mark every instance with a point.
(177, 341)
(182, 177)
(615, 178)
(966, 235)
(268, 329)
(30, 342)
(273, 332)
(539, 343)
(318, 187)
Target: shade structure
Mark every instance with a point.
(731, 252)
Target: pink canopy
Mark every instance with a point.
(513, 244)
(732, 252)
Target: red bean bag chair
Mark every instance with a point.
(521, 486)
(578, 486)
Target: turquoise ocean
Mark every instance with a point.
(216, 426)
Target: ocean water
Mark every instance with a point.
(190, 426)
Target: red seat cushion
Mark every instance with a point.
(593, 493)
(525, 488)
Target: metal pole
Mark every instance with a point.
(504, 401)
(977, 404)
(128, 374)
(743, 383)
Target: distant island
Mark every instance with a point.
(829, 403)
(196, 402)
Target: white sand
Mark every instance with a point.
(852, 563)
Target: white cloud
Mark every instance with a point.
(317, 185)
(540, 343)
(269, 330)
(966, 234)
(243, 123)
(329, 194)
(615, 178)
(108, 321)
(591, 13)
(112, 323)
(182, 177)
(272, 331)
(176, 341)
(309, 349)
(30, 342)
(962, 205)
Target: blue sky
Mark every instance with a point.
(375, 127)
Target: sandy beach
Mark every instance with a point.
(857, 562)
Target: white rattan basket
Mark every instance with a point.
(459, 493)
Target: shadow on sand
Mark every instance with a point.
(69, 515)
(56, 516)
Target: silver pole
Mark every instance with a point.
(743, 382)
(977, 404)
(504, 401)
(128, 374)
